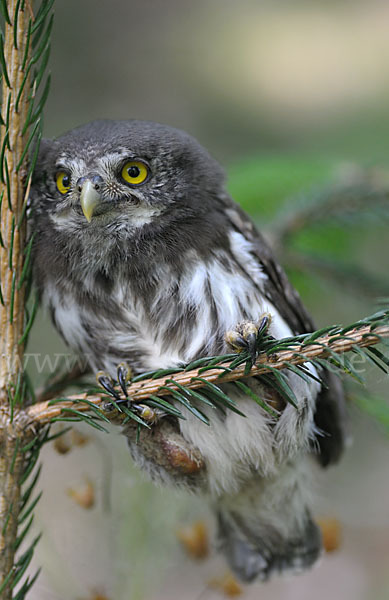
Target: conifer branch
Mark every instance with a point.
(15, 181)
(319, 348)
(24, 49)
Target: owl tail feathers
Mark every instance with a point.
(251, 555)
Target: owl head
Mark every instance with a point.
(117, 175)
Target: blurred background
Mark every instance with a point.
(293, 99)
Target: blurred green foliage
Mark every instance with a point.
(262, 185)
(329, 226)
(328, 222)
(376, 407)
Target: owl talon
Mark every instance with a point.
(124, 374)
(147, 413)
(251, 341)
(106, 382)
(247, 335)
(264, 324)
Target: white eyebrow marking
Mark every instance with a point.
(110, 162)
(76, 165)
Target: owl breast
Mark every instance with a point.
(177, 317)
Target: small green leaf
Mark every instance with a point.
(4, 11)
(134, 417)
(84, 417)
(2, 60)
(15, 24)
(29, 510)
(249, 392)
(158, 402)
(23, 534)
(185, 402)
(190, 392)
(42, 13)
(29, 490)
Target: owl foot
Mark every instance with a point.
(161, 450)
(124, 373)
(247, 335)
(165, 454)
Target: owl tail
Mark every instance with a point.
(252, 556)
(267, 528)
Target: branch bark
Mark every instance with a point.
(14, 191)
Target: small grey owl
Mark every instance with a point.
(140, 255)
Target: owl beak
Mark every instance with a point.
(89, 199)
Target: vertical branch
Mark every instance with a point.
(24, 52)
(12, 465)
(13, 185)
(13, 177)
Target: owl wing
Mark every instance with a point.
(331, 414)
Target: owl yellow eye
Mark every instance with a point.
(134, 172)
(63, 182)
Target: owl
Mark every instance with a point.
(140, 255)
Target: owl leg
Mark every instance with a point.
(247, 335)
(161, 450)
(295, 430)
(165, 455)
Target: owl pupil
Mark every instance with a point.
(133, 172)
(66, 181)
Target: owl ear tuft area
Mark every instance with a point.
(45, 155)
(45, 147)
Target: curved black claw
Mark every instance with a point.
(247, 335)
(251, 345)
(147, 413)
(124, 376)
(106, 382)
(244, 337)
(263, 325)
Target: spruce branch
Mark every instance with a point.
(326, 347)
(14, 180)
(24, 49)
